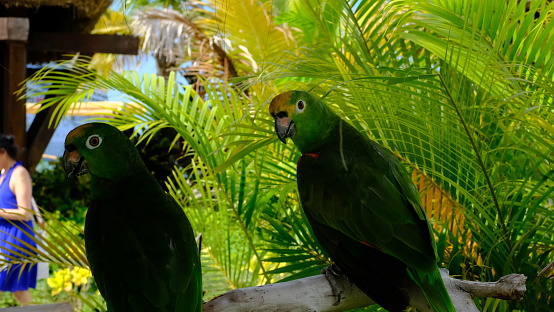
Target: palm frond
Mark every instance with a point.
(59, 243)
(463, 122)
(167, 34)
(250, 26)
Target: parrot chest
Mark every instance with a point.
(325, 188)
(120, 229)
(361, 191)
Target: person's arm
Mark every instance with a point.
(21, 186)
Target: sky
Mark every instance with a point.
(55, 147)
(148, 66)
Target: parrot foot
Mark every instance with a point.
(335, 277)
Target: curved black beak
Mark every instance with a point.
(73, 163)
(284, 127)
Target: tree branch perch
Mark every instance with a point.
(315, 294)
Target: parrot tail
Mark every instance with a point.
(433, 288)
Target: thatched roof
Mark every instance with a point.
(80, 7)
(65, 16)
(57, 15)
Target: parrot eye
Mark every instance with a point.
(93, 141)
(300, 106)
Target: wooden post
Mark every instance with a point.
(14, 32)
(15, 41)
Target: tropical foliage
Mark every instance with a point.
(461, 91)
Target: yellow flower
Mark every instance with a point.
(60, 281)
(79, 276)
(66, 279)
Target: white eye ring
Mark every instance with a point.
(94, 141)
(300, 105)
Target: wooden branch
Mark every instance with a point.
(38, 137)
(55, 307)
(545, 270)
(306, 294)
(315, 294)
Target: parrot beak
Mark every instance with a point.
(73, 163)
(284, 127)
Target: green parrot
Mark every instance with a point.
(361, 204)
(139, 242)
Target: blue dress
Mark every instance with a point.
(14, 277)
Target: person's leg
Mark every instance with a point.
(23, 297)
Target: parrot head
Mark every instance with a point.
(99, 149)
(303, 118)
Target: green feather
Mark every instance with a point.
(139, 242)
(362, 199)
(433, 288)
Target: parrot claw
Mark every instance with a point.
(335, 277)
(333, 269)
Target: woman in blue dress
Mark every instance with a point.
(15, 223)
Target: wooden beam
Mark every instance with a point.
(92, 108)
(55, 307)
(83, 43)
(14, 28)
(13, 37)
(13, 73)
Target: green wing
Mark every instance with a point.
(361, 191)
(364, 265)
(142, 251)
(364, 193)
